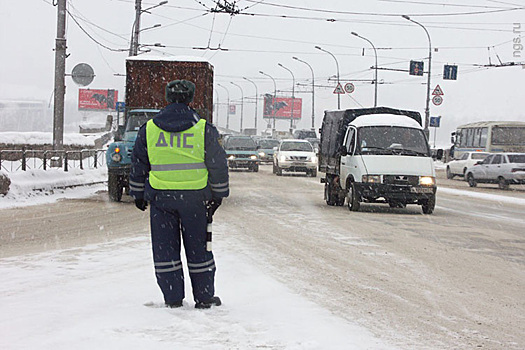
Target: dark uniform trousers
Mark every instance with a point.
(173, 217)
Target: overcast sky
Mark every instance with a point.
(468, 33)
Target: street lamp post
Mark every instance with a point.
(227, 106)
(134, 45)
(313, 90)
(375, 75)
(427, 108)
(217, 104)
(337, 65)
(293, 95)
(256, 100)
(274, 95)
(242, 102)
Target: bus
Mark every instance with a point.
(492, 136)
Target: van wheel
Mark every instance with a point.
(429, 205)
(278, 170)
(502, 183)
(352, 198)
(471, 181)
(449, 174)
(255, 168)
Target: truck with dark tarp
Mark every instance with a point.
(376, 155)
(146, 80)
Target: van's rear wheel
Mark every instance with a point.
(328, 195)
(352, 198)
(449, 173)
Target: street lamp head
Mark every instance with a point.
(295, 58)
(280, 65)
(354, 33)
(156, 25)
(405, 17)
(318, 47)
(162, 3)
(261, 72)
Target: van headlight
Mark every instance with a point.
(427, 180)
(282, 158)
(372, 179)
(232, 157)
(253, 157)
(313, 159)
(261, 154)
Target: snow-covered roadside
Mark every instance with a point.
(34, 187)
(483, 196)
(94, 298)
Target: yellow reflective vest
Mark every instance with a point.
(177, 158)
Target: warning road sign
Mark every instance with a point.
(437, 100)
(438, 91)
(339, 89)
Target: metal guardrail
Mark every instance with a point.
(23, 160)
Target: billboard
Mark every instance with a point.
(281, 107)
(101, 100)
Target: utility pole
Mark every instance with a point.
(133, 49)
(60, 72)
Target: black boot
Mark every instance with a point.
(215, 301)
(174, 304)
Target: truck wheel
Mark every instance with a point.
(471, 181)
(429, 205)
(114, 187)
(449, 174)
(502, 183)
(353, 198)
(328, 195)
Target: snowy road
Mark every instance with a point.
(294, 273)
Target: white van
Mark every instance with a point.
(376, 155)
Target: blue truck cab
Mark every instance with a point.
(242, 152)
(118, 154)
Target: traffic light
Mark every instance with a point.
(416, 67)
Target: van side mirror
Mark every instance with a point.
(439, 154)
(342, 151)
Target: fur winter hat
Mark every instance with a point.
(180, 91)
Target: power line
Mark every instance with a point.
(388, 14)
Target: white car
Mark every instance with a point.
(295, 155)
(459, 166)
(501, 168)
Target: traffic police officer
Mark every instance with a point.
(180, 168)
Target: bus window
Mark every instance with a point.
(483, 137)
(477, 134)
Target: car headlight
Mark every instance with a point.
(261, 154)
(253, 157)
(427, 180)
(282, 158)
(232, 157)
(313, 159)
(372, 178)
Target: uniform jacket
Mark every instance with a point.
(178, 117)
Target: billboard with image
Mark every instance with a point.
(101, 100)
(281, 107)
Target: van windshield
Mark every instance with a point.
(392, 140)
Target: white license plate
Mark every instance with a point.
(421, 190)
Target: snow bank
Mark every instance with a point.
(484, 196)
(43, 138)
(34, 187)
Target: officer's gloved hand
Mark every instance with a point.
(214, 204)
(141, 204)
